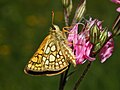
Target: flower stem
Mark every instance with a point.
(61, 82)
(82, 76)
(116, 26)
(63, 79)
(66, 17)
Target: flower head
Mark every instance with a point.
(81, 44)
(89, 41)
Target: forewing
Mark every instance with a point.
(48, 60)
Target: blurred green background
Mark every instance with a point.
(23, 26)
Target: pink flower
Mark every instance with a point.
(83, 48)
(81, 45)
(91, 23)
(72, 37)
(118, 9)
(117, 2)
(107, 50)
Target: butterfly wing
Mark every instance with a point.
(67, 51)
(48, 60)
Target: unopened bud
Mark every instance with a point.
(96, 47)
(103, 36)
(94, 34)
(69, 8)
(79, 12)
(67, 4)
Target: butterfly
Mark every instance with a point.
(53, 55)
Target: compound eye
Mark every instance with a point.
(53, 28)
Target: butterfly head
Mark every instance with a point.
(54, 28)
(57, 33)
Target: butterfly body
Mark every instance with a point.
(53, 56)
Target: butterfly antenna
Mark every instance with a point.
(52, 21)
(52, 17)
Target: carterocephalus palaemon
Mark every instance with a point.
(53, 55)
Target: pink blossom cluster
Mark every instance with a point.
(83, 48)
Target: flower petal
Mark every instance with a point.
(72, 37)
(88, 51)
(118, 9)
(106, 51)
(116, 1)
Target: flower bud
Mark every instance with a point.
(66, 3)
(79, 12)
(69, 8)
(103, 36)
(96, 47)
(94, 34)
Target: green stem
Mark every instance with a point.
(61, 82)
(63, 79)
(82, 76)
(66, 17)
